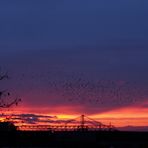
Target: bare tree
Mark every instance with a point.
(3, 94)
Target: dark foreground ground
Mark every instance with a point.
(74, 139)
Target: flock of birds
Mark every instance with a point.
(82, 90)
(98, 92)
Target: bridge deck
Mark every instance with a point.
(61, 128)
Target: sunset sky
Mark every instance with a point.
(71, 57)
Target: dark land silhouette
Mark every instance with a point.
(11, 137)
(101, 139)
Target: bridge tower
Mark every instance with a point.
(82, 121)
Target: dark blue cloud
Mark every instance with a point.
(60, 24)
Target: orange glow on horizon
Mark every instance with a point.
(134, 115)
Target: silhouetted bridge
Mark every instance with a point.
(82, 123)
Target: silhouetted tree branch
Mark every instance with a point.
(5, 93)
